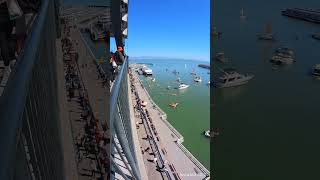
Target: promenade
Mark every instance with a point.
(178, 160)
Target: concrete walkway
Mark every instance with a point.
(180, 162)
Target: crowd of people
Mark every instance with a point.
(15, 20)
(93, 140)
(145, 116)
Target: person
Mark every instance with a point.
(5, 30)
(93, 168)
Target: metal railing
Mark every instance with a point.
(30, 139)
(120, 123)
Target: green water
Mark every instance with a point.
(270, 127)
(192, 116)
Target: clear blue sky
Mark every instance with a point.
(169, 28)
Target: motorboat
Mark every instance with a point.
(147, 71)
(232, 78)
(279, 59)
(221, 57)
(197, 79)
(207, 133)
(174, 104)
(316, 70)
(183, 86)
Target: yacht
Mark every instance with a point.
(197, 79)
(220, 57)
(147, 71)
(316, 70)
(283, 55)
(281, 59)
(183, 86)
(232, 78)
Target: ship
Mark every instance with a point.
(310, 15)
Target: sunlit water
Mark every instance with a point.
(192, 116)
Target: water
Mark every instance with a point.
(270, 127)
(192, 115)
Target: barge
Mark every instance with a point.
(310, 15)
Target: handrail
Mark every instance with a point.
(13, 98)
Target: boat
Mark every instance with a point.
(207, 133)
(268, 35)
(220, 57)
(242, 16)
(211, 134)
(153, 79)
(231, 78)
(147, 71)
(183, 86)
(174, 104)
(310, 15)
(197, 79)
(316, 36)
(316, 70)
(280, 59)
(284, 50)
(283, 55)
(208, 83)
(205, 66)
(168, 87)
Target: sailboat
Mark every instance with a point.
(268, 35)
(242, 16)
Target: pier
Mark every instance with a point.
(166, 140)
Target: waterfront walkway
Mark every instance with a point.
(178, 160)
(86, 112)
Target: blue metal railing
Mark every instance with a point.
(30, 140)
(120, 123)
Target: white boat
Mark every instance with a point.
(232, 78)
(283, 55)
(147, 71)
(279, 59)
(197, 79)
(153, 79)
(183, 86)
(207, 133)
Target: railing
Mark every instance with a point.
(30, 142)
(120, 123)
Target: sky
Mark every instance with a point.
(169, 28)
